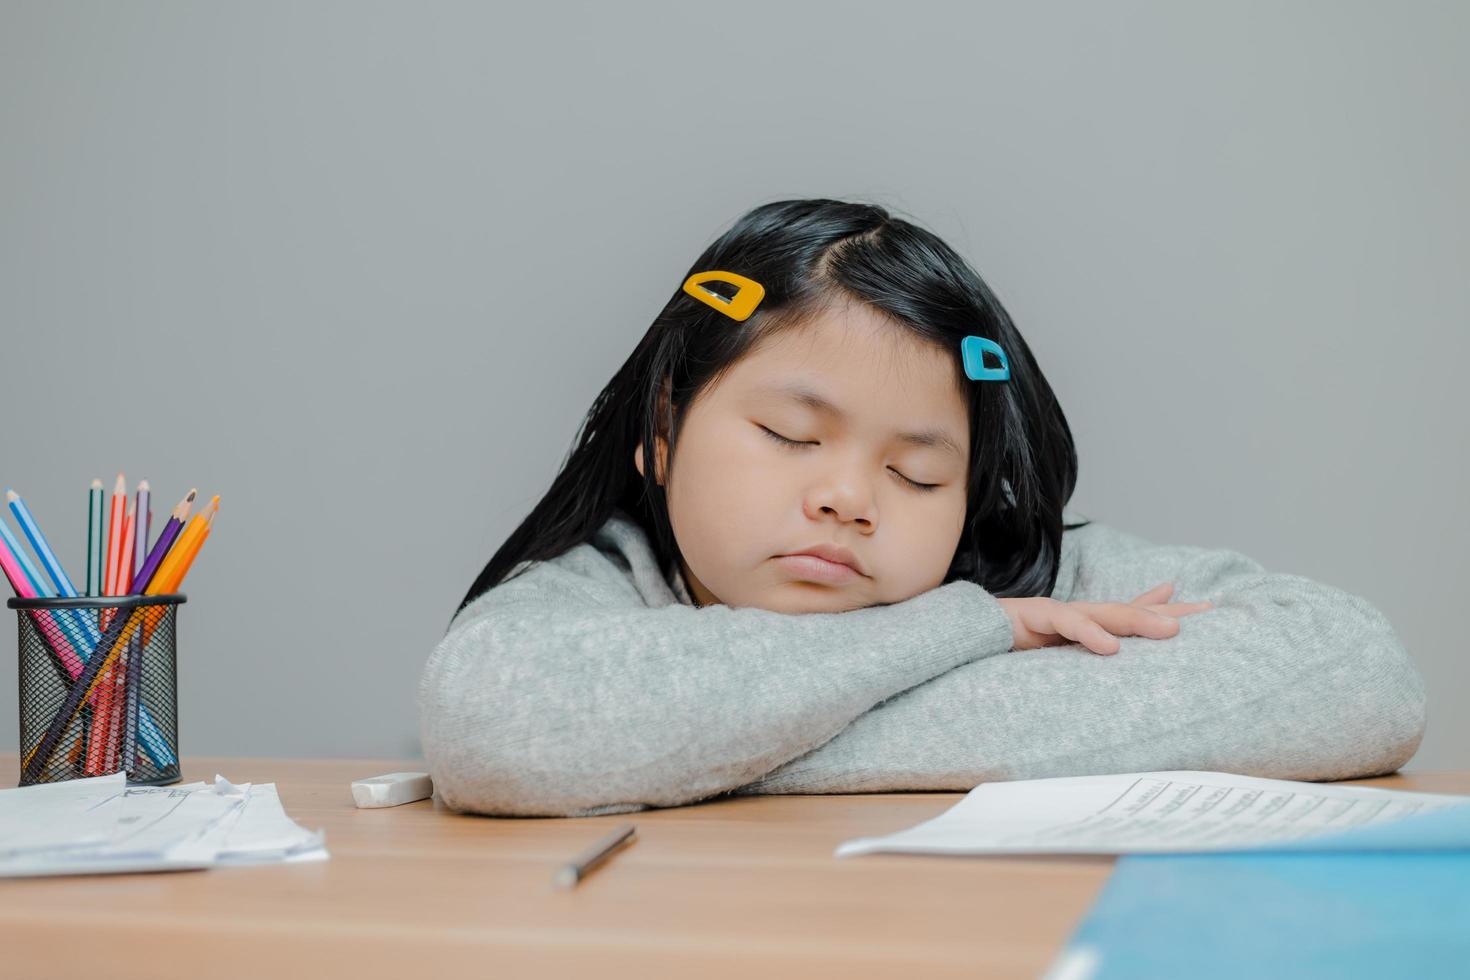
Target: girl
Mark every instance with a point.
(811, 539)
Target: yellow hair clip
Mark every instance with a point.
(748, 293)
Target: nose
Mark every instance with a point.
(842, 494)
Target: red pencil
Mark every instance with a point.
(96, 763)
(117, 696)
(114, 535)
(125, 554)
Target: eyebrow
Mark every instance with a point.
(800, 393)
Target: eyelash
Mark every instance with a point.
(792, 443)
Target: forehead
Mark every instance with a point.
(872, 371)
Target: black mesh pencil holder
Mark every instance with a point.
(99, 688)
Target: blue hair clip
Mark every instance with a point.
(971, 350)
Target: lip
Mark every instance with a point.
(823, 563)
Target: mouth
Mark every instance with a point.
(822, 563)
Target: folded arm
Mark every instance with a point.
(1285, 678)
(556, 694)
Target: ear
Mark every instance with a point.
(661, 442)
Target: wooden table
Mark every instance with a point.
(739, 887)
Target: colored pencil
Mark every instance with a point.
(134, 698)
(30, 586)
(114, 535)
(23, 562)
(113, 716)
(143, 506)
(126, 568)
(171, 574)
(165, 541)
(94, 539)
(38, 543)
(119, 696)
(23, 581)
(188, 560)
(94, 763)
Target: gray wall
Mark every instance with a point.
(365, 266)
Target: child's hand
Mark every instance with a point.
(1045, 622)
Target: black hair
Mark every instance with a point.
(808, 254)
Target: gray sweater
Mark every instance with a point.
(591, 684)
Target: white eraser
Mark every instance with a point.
(391, 790)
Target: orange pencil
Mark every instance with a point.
(176, 563)
(180, 557)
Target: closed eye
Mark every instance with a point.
(793, 444)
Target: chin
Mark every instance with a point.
(811, 597)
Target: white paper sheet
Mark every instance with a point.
(264, 833)
(1150, 812)
(55, 814)
(102, 825)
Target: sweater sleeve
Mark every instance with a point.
(556, 694)
(1284, 678)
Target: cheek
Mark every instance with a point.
(724, 467)
(930, 534)
(722, 485)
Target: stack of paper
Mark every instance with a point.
(100, 825)
(1170, 812)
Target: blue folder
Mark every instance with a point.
(1391, 900)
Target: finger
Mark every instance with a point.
(1079, 627)
(1156, 594)
(1177, 609)
(1123, 619)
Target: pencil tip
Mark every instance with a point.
(11, 494)
(121, 486)
(143, 485)
(191, 496)
(96, 484)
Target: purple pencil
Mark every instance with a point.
(165, 541)
(144, 511)
(134, 674)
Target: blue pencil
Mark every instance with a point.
(38, 542)
(83, 625)
(42, 590)
(48, 558)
